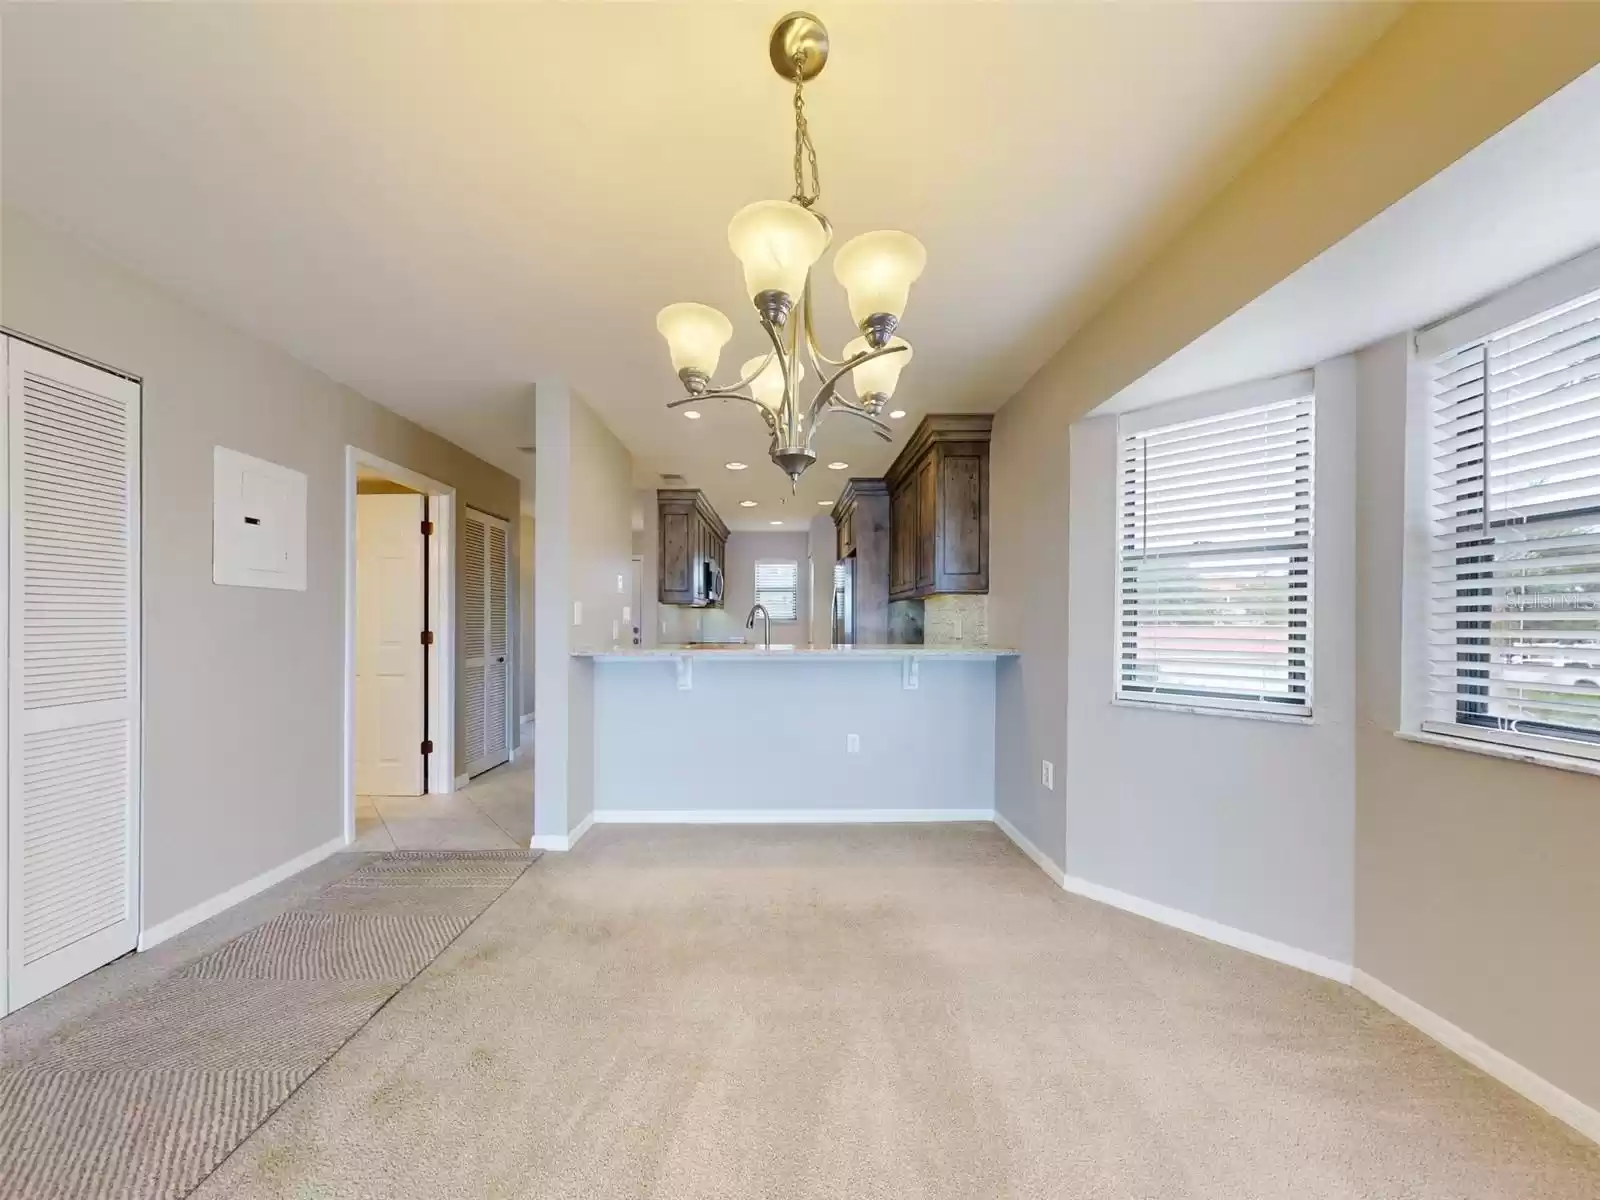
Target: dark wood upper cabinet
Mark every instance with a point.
(862, 519)
(939, 508)
(692, 536)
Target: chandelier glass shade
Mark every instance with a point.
(778, 244)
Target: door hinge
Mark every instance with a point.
(427, 637)
(427, 747)
(427, 529)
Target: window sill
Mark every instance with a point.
(1205, 710)
(1538, 758)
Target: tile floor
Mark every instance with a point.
(493, 812)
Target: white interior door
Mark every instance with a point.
(391, 613)
(485, 629)
(72, 820)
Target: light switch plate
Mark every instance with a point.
(619, 585)
(614, 631)
(1049, 774)
(627, 613)
(852, 743)
(577, 612)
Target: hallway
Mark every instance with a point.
(493, 812)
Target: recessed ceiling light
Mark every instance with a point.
(837, 466)
(825, 503)
(747, 504)
(736, 466)
(692, 415)
(774, 522)
(897, 414)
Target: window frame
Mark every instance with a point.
(1241, 398)
(1537, 298)
(794, 589)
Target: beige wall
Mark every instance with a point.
(525, 533)
(1491, 939)
(583, 544)
(243, 687)
(1477, 879)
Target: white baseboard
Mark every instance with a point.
(560, 842)
(1239, 939)
(789, 816)
(1486, 1058)
(1042, 860)
(191, 917)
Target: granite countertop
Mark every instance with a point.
(851, 653)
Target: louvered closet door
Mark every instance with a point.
(497, 656)
(73, 689)
(484, 631)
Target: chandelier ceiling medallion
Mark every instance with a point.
(778, 242)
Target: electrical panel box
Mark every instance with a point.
(258, 523)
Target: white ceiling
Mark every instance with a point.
(440, 204)
(1521, 202)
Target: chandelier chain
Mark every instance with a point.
(805, 153)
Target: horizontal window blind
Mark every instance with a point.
(1514, 570)
(777, 589)
(1215, 560)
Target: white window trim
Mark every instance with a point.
(1521, 301)
(1430, 735)
(1197, 706)
(755, 588)
(1272, 390)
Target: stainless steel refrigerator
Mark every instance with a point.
(844, 602)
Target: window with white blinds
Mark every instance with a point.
(778, 589)
(1514, 566)
(1214, 576)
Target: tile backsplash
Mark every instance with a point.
(955, 620)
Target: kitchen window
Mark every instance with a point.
(778, 589)
(1513, 569)
(1214, 553)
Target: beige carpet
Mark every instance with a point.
(141, 1098)
(878, 1012)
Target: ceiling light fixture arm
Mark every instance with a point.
(838, 403)
(724, 394)
(826, 392)
(818, 357)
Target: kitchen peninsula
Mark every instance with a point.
(746, 734)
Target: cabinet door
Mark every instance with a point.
(927, 488)
(698, 559)
(903, 540)
(963, 522)
(677, 557)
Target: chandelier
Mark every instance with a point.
(778, 242)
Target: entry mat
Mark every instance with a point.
(145, 1098)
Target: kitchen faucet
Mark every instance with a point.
(766, 624)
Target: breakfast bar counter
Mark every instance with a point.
(747, 733)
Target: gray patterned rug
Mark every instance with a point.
(144, 1098)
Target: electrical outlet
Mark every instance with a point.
(960, 627)
(577, 612)
(1049, 774)
(627, 613)
(852, 743)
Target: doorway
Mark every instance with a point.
(400, 634)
